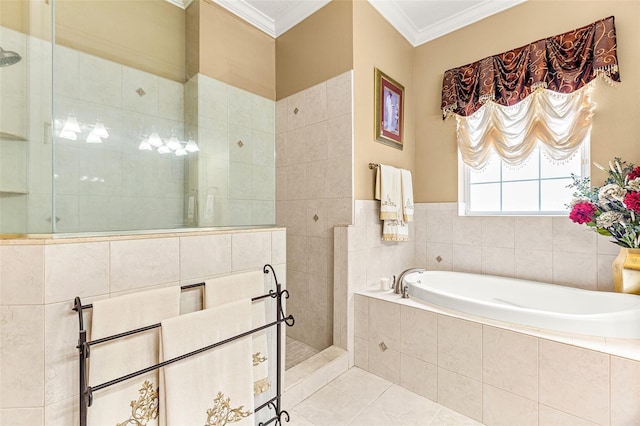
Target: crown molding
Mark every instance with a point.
(182, 4)
(298, 13)
(250, 14)
(401, 22)
(253, 16)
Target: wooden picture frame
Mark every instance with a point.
(389, 110)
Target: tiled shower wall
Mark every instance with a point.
(314, 193)
(233, 177)
(40, 278)
(112, 185)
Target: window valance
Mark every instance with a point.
(563, 63)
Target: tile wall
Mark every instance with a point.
(111, 185)
(314, 192)
(233, 178)
(493, 375)
(40, 278)
(361, 259)
(547, 249)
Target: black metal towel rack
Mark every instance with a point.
(86, 391)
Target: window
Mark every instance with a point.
(538, 186)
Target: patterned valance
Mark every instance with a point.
(563, 63)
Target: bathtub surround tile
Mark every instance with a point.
(533, 233)
(460, 346)
(21, 275)
(440, 226)
(605, 272)
(504, 408)
(21, 356)
(361, 353)
(467, 259)
(62, 413)
(141, 263)
(419, 376)
(572, 237)
(625, 391)
(204, 256)
(498, 231)
(467, 230)
(460, 393)
(78, 269)
(574, 380)
(498, 261)
(510, 361)
(419, 334)
(383, 361)
(575, 270)
(439, 257)
(279, 247)
(534, 265)
(384, 321)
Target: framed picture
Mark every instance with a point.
(389, 110)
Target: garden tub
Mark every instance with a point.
(530, 303)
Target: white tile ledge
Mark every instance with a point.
(322, 360)
(625, 348)
(45, 239)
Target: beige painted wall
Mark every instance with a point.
(615, 127)
(315, 50)
(148, 35)
(235, 52)
(29, 17)
(376, 44)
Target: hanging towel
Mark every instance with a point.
(388, 191)
(407, 195)
(215, 386)
(134, 400)
(231, 288)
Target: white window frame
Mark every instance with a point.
(464, 187)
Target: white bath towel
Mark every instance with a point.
(230, 288)
(137, 398)
(407, 195)
(215, 386)
(388, 191)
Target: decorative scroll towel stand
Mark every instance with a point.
(86, 391)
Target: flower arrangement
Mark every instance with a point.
(612, 209)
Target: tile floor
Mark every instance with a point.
(360, 398)
(297, 352)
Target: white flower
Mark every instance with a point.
(611, 191)
(608, 219)
(634, 185)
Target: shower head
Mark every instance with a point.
(8, 57)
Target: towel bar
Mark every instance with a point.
(86, 391)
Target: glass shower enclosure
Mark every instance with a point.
(107, 125)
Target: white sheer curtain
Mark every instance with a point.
(558, 122)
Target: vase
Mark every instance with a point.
(626, 271)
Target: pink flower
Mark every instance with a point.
(583, 212)
(634, 173)
(632, 201)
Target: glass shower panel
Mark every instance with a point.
(25, 117)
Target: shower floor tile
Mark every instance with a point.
(359, 398)
(297, 352)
